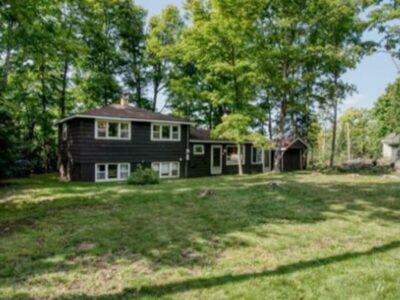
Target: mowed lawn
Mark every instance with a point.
(312, 237)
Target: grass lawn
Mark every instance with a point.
(313, 237)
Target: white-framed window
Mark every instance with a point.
(166, 169)
(64, 131)
(256, 155)
(198, 149)
(113, 130)
(112, 171)
(165, 132)
(232, 155)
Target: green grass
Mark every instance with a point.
(313, 237)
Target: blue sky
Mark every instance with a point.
(370, 77)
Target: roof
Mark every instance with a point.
(204, 135)
(392, 139)
(117, 111)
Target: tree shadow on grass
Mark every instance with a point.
(209, 282)
(168, 224)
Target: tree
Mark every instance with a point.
(384, 19)
(343, 48)
(283, 50)
(161, 48)
(130, 25)
(235, 127)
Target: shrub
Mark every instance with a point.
(142, 176)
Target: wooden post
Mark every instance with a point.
(348, 142)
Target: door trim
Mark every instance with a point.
(212, 169)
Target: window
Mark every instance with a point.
(112, 130)
(198, 149)
(166, 169)
(232, 155)
(256, 156)
(165, 132)
(64, 131)
(112, 171)
(124, 171)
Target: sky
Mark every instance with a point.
(371, 76)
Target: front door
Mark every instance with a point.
(216, 159)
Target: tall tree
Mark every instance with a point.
(161, 48)
(130, 25)
(341, 36)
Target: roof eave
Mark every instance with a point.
(123, 119)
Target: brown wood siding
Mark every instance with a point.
(139, 148)
(199, 165)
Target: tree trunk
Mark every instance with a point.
(7, 61)
(239, 159)
(334, 125)
(279, 144)
(155, 93)
(348, 142)
(64, 87)
(270, 124)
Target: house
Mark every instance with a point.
(106, 144)
(391, 147)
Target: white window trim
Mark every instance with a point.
(231, 163)
(198, 152)
(168, 162)
(106, 171)
(64, 131)
(97, 137)
(161, 139)
(252, 156)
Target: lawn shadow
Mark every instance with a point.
(168, 224)
(210, 282)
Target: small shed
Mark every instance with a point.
(391, 147)
(294, 157)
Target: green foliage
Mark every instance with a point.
(8, 150)
(143, 176)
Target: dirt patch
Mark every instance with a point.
(8, 227)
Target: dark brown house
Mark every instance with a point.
(107, 143)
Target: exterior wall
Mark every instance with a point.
(389, 152)
(200, 165)
(68, 151)
(83, 151)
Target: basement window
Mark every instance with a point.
(166, 169)
(112, 171)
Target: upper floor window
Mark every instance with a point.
(64, 132)
(256, 156)
(232, 155)
(165, 132)
(113, 130)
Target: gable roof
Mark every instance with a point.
(125, 112)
